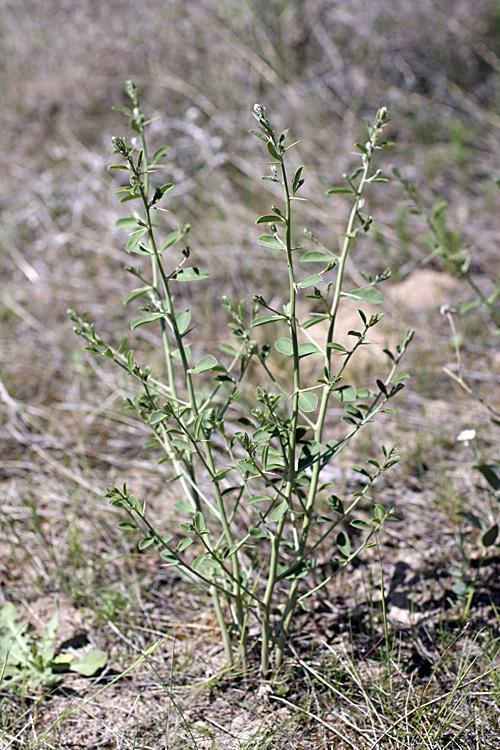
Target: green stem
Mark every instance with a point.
(325, 397)
(292, 441)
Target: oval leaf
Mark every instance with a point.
(91, 663)
(191, 274)
(147, 319)
(308, 401)
(310, 281)
(316, 256)
(280, 511)
(267, 240)
(369, 295)
(206, 363)
(344, 544)
(284, 346)
(491, 536)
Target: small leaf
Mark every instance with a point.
(182, 445)
(311, 281)
(183, 319)
(491, 472)
(255, 499)
(336, 504)
(490, 537)
(170, 240)
(228, 349)
(147, 542)
(191, 274)
(91, 663)
(158, 155)
(272, 150)
(147, 319)
(316, 256)
(157, 417)
(285, 346)
(309, 349)
(265, 319)
(344, 544)
(280, 511)
(130, 222)
(160, 192)
(269, 219)
(257, 533)
(369, 295)
(308, 401)
(206, 363)
(134, 239)
(339, 190)
(183, 544)
(359, 524)
(346, 393)
(268, 240)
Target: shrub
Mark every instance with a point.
(248, 441)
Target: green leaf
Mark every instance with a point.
(222, 473)
(136, 294)
(199, 523)
(130, 222)
(126, 526)
(257, 533)
(169, 557)
(344, 544)
(491, 472)
(183, 320)
(183, 544)
(134, 239)
(309, 349)
(206, 363)
(160, 192)
(336, 504)
(170, 240)
(91, 663)
(268, 240)
(368, 294)
(157, 417)
(311, 281)
(147, 542)
(490, 537)
(272, 150)
(316, 256)
(256, 499)
(191, 274)
(340, 190)
(182, 445)
(269, 219)
(259, 135)
(337, 348)
(297, 182)
(308, 401)
(280, 511)
(228, 349)
(285, 346)
(147, 319)
(346, 393)
(359, 524)
(158, 155)
(265, 319)
(198, 562)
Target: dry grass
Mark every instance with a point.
(320, 68)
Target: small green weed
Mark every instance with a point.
(28, 661)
